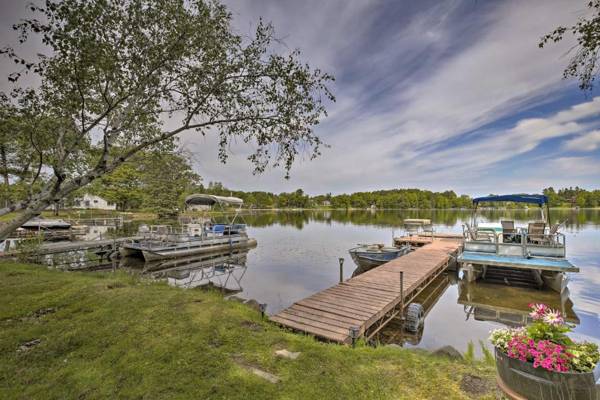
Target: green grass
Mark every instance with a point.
(112, 335)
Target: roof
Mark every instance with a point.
(209, 200)
(538, 199)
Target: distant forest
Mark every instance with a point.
(160, 181)
(394, 198)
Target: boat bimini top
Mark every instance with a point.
(539, 199)
(211, 200)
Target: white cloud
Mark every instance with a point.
(587, 142)
(417, 89)
(505, 145)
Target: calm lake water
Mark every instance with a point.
(297, 255)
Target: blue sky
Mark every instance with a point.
(436, 95)
(430, 94)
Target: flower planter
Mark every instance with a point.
(519, 380)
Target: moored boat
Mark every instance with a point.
(369, 256)
(531, 255)
(40, 223)
(162, 242)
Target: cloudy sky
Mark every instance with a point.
(436, 95)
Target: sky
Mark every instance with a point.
(438, 95)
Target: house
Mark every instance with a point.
(198, 207)
(90, 201)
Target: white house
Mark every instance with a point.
(93, 201)
(198, 207)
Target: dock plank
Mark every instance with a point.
(363, 300)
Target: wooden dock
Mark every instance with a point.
(67, 246)
(421, 240)
(367, 302)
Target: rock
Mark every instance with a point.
(254, 304)
(28, 345)
(287, 354)
(253, 326)
(448, 351)
(476, 386)
(235, 298)
(265, 375)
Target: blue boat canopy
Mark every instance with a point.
(538, 199)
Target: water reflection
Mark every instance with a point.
(223, 271)
(481, 302)
(394, 218)
(510, 305)
(395, 332)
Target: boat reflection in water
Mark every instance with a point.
(223, 271)
(481, 301)
(510, 305)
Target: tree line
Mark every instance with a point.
(392, 199)
(159, 181)
(573, 197)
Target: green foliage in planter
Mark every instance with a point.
(585, 356)
(539, 330)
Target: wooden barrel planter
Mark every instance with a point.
(519, 380)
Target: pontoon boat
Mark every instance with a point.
(513, 254)
(161, 241)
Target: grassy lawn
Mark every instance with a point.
(111, 335)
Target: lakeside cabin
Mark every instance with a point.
(90, 201)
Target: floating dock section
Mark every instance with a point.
(361, 306)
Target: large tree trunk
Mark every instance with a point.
(7, 229)
(54, 191)
(13, 207)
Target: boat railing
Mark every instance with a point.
(418, 227)
(519, 244)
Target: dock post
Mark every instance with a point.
(402, 295)
(341, 260)
(354, 334)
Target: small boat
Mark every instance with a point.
(369, 256)
(40, 223)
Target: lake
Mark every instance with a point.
(297, 255)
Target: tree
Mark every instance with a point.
(166, 178)
(584, 64)
(123, 186)
(130, 75)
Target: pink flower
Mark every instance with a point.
(553, 317)
(544, 354)
(537, 311)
